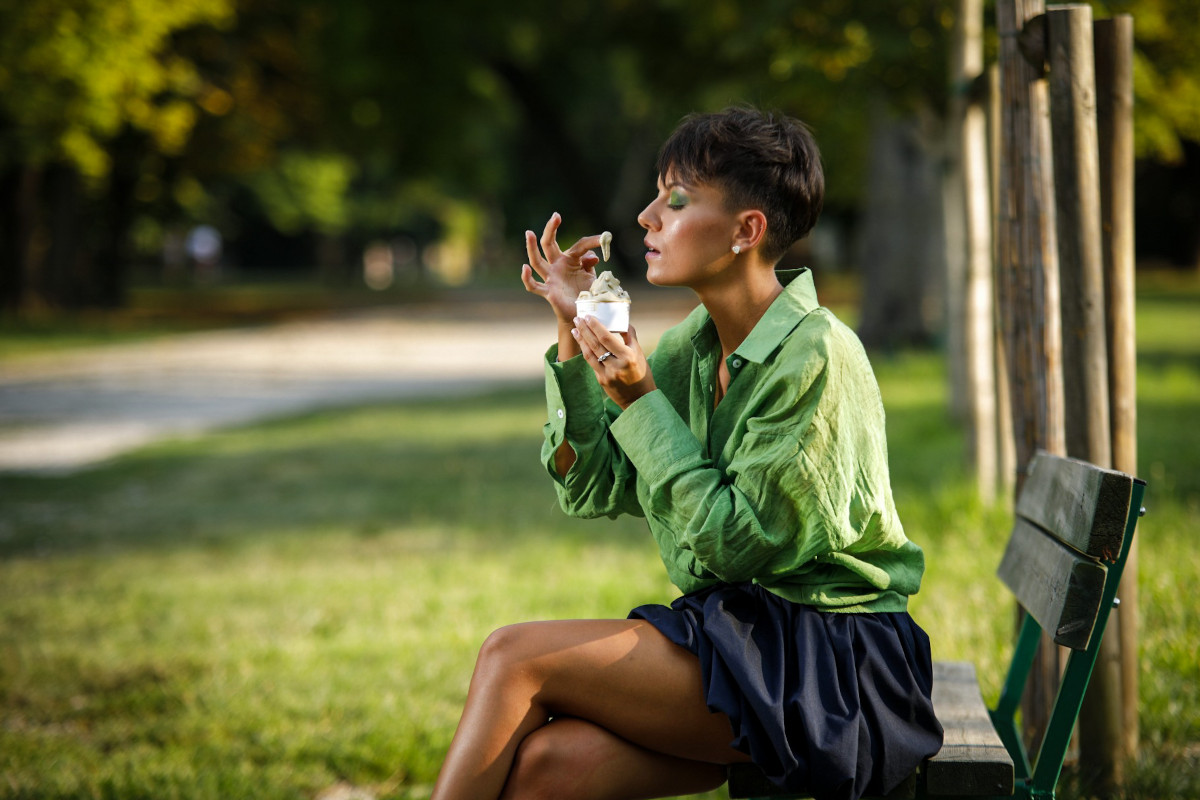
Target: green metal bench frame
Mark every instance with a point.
(1072, 535)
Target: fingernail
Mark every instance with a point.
(575, 332)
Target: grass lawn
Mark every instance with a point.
(291, 610)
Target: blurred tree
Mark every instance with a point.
(1166, 74)
(83, 84)
(258, 165)
(1166, 79)
(330, 120)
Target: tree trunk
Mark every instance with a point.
(64, 280)
(630, 194)
(901, 249)
(955, 189)
(567, 156)
(110, 264)
(1189, 173)
(18, 210)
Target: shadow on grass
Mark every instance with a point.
(460, 469)
(465, 468)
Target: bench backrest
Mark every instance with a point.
(1074, 526)
(1070, 526)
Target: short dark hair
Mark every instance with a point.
(761, 160)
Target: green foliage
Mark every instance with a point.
(370, 120)
(306, 191)
(1166, 74)
(542, 110)
(75, 71)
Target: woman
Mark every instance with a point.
(753, 443)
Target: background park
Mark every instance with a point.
(290, 607)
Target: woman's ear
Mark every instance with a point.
(752, 227)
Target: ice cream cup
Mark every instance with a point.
(614, 314)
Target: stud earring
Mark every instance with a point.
(737, 248)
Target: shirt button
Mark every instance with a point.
(561, 414)
(737, 363)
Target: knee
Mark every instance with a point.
(503, 649)
(508, 661)
(553, 763)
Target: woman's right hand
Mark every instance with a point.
(564, 273)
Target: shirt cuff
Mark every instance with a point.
(574, 399)
(655, 438)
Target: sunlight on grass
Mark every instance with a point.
(276, 610)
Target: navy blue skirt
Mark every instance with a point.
(831, 704)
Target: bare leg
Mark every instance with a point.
(621, 675)
(570, 759)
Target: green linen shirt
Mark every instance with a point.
(784, 483)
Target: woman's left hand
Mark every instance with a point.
(617, 359)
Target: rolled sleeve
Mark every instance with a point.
(600, 482)
(575, 407)
(656, 438)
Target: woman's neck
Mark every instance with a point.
(738, 305)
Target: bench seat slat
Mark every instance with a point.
(1083, 506)
(747, 780)
(972, 761)
(1061, 589)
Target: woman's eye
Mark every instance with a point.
(677, 199)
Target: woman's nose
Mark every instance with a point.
(647, 218)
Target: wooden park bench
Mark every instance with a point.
(1074, 525)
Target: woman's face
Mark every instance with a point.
(689, 234)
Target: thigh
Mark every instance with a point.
(626, 677)
(572, 759)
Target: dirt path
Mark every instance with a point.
(68, 411)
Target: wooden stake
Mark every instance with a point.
(1005, 446)
(1077, 202)
(1028, 277)
(969, 284)
(1114, 105)
(1085, 340)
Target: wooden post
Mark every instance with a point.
(1114, 105)
(969, 279)
(1028, 277)
(954, 221)
(1005, 445)
(1085, 340)
(1077, 204)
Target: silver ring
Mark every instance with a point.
(607, 354)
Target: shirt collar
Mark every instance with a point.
(799, 297)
